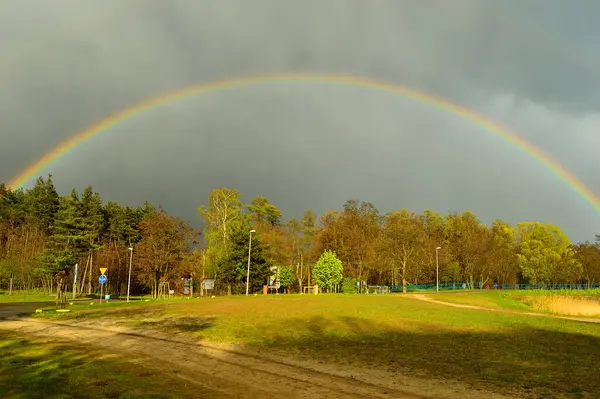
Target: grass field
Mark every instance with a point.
(26, 296)
(502, 352)
(44, 296)
(43, 368)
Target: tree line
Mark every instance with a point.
(43, 233)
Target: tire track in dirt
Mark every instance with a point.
(229, 373)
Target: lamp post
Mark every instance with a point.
(248, 273)
(437, 270)
(75, 281)
(129, 279)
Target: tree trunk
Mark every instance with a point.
(404, 276)
(84, 275)
(308, 274)
(90, 276)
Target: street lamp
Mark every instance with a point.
(129, 279)
(437, 270)
(248, 273)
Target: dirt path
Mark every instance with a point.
(426, 298)
(228, 372)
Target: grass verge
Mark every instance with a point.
(26, 296)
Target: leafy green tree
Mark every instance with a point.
(588, 255)
(221, 217)
(542, 250)
(449, 272)
(469, 242)
(502, 256)
(328, 271)
(262, 211)
(287, 276)
(403, 238)
(435, 236)
(360, 227)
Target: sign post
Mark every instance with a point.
(102, 280)
(207, 284)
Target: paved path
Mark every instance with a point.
(11, 309)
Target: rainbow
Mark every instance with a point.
(36, 168)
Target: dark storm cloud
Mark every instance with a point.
(532, 66)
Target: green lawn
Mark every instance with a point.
(40, 368)
(44, 296)
(511, 353)
(26, 296)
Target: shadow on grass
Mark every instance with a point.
(40, 369)
(182, 324)
(519, 360)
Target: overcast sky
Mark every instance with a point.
(532, 66)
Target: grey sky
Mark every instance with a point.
(533, 66)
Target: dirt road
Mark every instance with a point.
(229, 372)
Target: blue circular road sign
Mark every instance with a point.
(102, 279)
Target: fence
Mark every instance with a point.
(550, 286)
(478, 285)
(432, 287)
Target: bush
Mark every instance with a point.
(349, 285)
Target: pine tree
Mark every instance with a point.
(67, 240)
(233, 268)
(92, 217)
(42, 203)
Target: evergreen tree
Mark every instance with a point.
(233, 268)
(42, 203)
(68, 238)
(92, 215)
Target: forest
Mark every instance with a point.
(43, 233)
